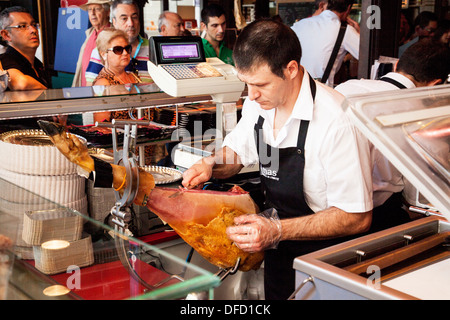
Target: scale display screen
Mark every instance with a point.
(179, 51)
(169, 50)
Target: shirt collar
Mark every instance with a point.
(102, 28)
(206, 42)
(303, 108)
(329, 14)
(401, 78)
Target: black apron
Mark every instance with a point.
(282, 186)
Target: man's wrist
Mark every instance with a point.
(209, 161)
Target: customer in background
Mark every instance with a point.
(425, 63)
(115, 53)
(442, 32)
(424, 26)
(214, 25)
(404, 29)
(318, 36)
(125, 17)
(115, 50)
(21, 32)
(98, 11)
(170, 24)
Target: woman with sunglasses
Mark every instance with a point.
(114, 52)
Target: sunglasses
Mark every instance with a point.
(119, 49)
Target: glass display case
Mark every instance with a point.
(412, 129)
(34, 103)
(57, 259)
(51, 247)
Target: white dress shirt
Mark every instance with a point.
(317, 37)
(386, 178)
(362, 86)
(337, 160)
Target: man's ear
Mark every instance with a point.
(417, 29)
(433, 82)
(291, 69)
(202, 26)
(5, 35)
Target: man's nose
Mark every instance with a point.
(130, 22)
(252, 92)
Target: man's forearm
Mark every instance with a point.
(326, 224)
(216, 166)
(24, 82)
(226, 163)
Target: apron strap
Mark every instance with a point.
(258, 131)
(394, 82)
(304, 124)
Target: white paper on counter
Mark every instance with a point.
(429, 283)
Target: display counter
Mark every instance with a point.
(33, 103)
(60, 250)
(410, 261)
(55, 258)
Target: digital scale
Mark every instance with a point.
(179, 67)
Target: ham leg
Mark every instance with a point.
(200, 217)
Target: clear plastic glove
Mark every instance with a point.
(256, 232)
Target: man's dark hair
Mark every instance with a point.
(424, 18)
(339, 5)
(4, 15)
(317, 3)
(266, 41)
(443, 27)
(426, 60)
(213, 10)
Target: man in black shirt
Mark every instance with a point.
(21, 31)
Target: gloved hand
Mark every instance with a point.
(256, 232)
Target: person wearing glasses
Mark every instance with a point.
(98, 11)
(115, 53)
(125, 17)
(21, 32)
(425, 25)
